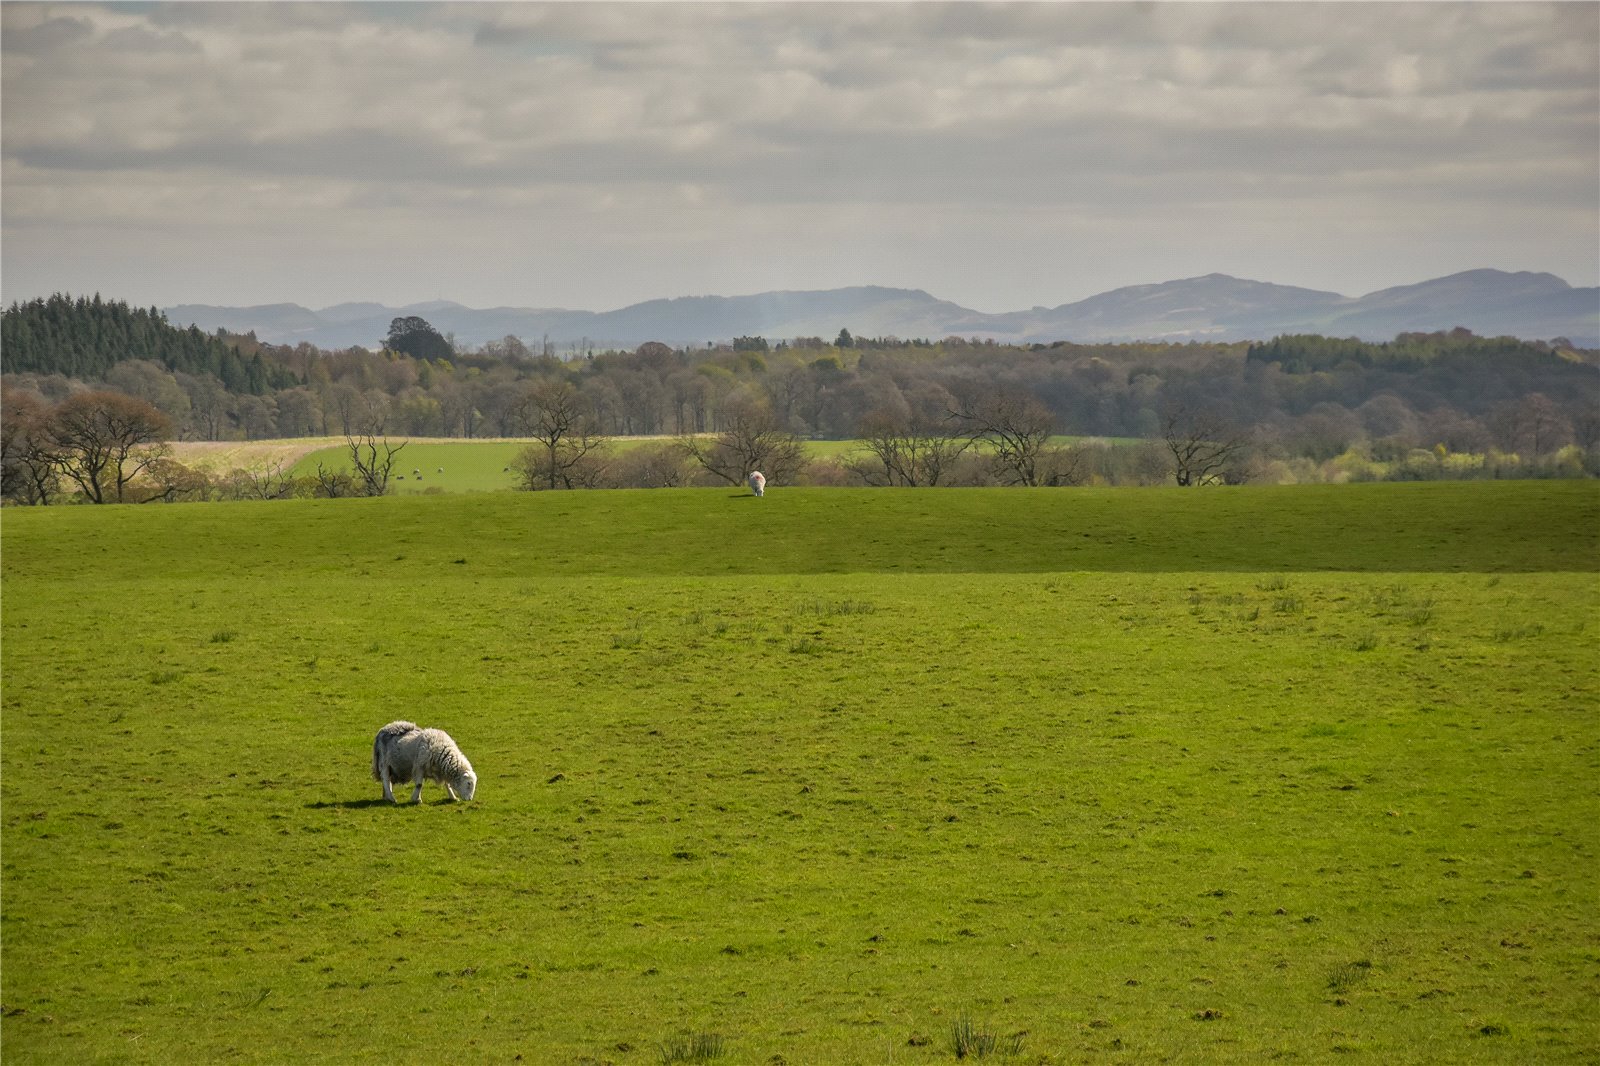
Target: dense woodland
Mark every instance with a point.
(1314, 408)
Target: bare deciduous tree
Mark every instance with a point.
(570, 447)
(651, 466)
(102, 440)
(905, 450)
(266, 480)
(753, 438)
(26, 473)
(166, 480)
(1202, 442)
(373, 459)
(333, 484)
(1014, 425)
(1063, 466)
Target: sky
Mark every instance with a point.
(593, 155)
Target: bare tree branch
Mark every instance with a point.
(1012, 423)
(569, 444)
(906, 450)
(1202, 442)
(753, 438)
(373, 459)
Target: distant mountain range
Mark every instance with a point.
(1215, 307)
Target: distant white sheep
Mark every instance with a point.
(401, 751)
(758, 484)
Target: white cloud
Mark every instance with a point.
(698, 142)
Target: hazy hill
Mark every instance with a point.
(1488, 302)
(1213, 307)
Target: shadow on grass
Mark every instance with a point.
(349, 805)
(363, 804)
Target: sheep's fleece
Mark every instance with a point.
(403, 752)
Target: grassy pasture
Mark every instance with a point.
(443, 465)
(1307, 773)
(452, 465)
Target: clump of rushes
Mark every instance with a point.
(696, 1047)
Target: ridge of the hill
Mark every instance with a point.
(1216, 307)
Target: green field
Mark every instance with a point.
(1126, 776)
(434, 466)
(445, 466)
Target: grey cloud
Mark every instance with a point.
(363, 154)
(143, 42)
(966, 109)
(45, 37)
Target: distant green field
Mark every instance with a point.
(478, 466)
(454, 466)
(482, 465)
(1306, 774)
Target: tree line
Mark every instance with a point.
(85, 339)
(1294, 407)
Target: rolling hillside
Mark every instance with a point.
(1214, 307)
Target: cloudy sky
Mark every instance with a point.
(592, 155)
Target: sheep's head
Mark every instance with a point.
(467, 785)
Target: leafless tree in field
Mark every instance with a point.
(266, 480)
(1203, 443)
(1013, 424)
(905, 449)
(373, 458)
(102, 440)
(27, 474)
(569, 444)
(753, 438)
(168, 481)
(333, 484)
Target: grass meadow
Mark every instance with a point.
(1301, 774)
(453, 465)
(439, 465)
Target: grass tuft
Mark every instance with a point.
(1506, 633)
(695, 1047)
(1347, 975)
(968, 1041)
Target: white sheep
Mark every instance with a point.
(758, 484)
(403, 751)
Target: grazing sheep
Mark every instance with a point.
(402, 751)
(758, 484)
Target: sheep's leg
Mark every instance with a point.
(416, 793)
(388, 786)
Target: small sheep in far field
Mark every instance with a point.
(758, 483)
(401, 751)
